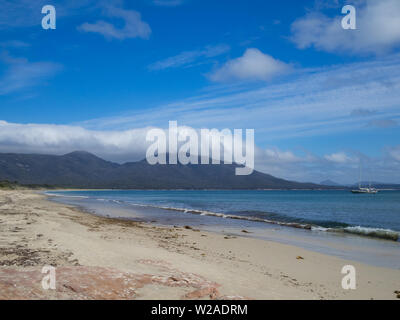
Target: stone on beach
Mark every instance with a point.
(87, 283)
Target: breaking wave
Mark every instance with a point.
(324, 226)
(64, 196)
(373, 232)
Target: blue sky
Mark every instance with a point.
(320, 98)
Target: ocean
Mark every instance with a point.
(364, 227)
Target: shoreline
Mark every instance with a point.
(155, 262)
(373, 246)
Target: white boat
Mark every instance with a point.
(369, 190)
(365, 190)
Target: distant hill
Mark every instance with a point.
(81, 169)
(329, 183)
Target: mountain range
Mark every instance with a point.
(81, 169)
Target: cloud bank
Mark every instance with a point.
(131, 145)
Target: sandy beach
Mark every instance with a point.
(102, 258)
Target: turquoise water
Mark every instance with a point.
(340, 211)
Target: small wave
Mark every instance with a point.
(373, 232)
(319, 228)
(64, 196)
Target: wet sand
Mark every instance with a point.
(102, 258)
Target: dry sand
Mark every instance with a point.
(101, 258)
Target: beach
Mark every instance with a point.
(102, 258)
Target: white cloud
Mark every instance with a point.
(189, 57)
(134, 26)
(60, 139)
(378, 29)
(253, 65)
(339, 157)
(276, 155)
(22, 74)
(116, 145)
